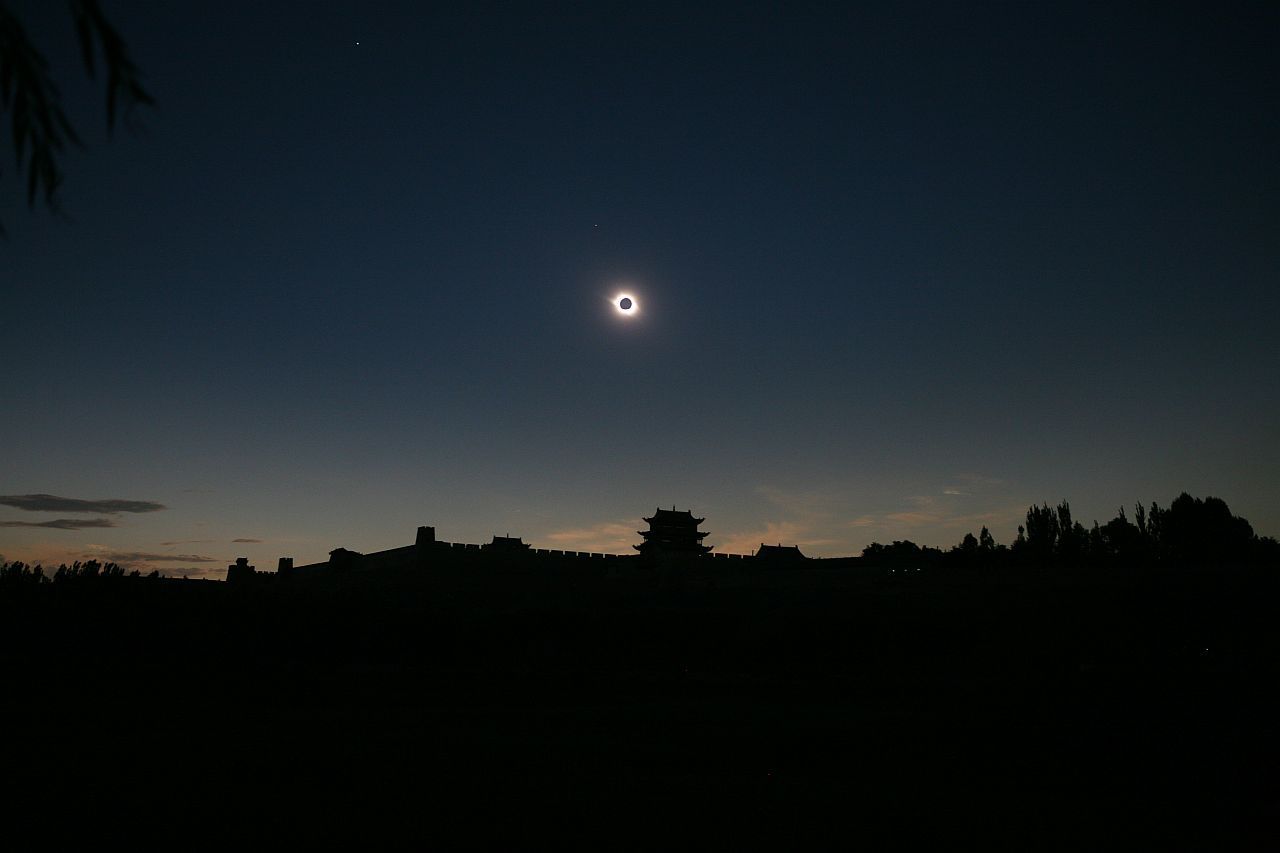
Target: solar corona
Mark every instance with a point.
(626, 305)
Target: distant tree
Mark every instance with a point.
(1155, 529)
(968, 552)
(986, 542)
(903, 552)
(1195, 530)
(1190, 531)
(1094, 542)
(39, 129)
(1121, 540)
(1073, 539)
(1051, 535)
(11, 573)
(1042, 532)
(22, 574)
(1020, 547)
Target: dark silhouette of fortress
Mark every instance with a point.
(672, 533)
(673, 540)
(1189, 532)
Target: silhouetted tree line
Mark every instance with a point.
(89, 571)
(1189, 531)
(901, 553)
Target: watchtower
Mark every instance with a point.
(672, 534)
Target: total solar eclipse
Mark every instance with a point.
(625, 305)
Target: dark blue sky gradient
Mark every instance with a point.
(905, 269)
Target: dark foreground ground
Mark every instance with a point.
(815, 708)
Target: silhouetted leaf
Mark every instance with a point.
(39, 127)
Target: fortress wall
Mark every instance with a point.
(579, 555)
(428, 553)
(391, 558)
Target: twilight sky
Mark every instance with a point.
(903, 268)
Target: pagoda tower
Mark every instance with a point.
(672, 534)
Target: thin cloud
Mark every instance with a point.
(246, 540)
(773, 533)
(608, 536)
(915, 518)
(189, 542)
(964, 485)
(936, 524)
(806, 520)
(950, 521)
(53, 503)
(812, 504)
(127, 557)
(63, 523)
(980, 480)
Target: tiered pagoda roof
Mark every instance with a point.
(672, 533)
(507, 543)
(780, 553)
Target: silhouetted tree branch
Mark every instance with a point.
(39, 129)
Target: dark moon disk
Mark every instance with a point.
(624, 304)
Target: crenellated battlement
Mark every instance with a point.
(673, 541)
